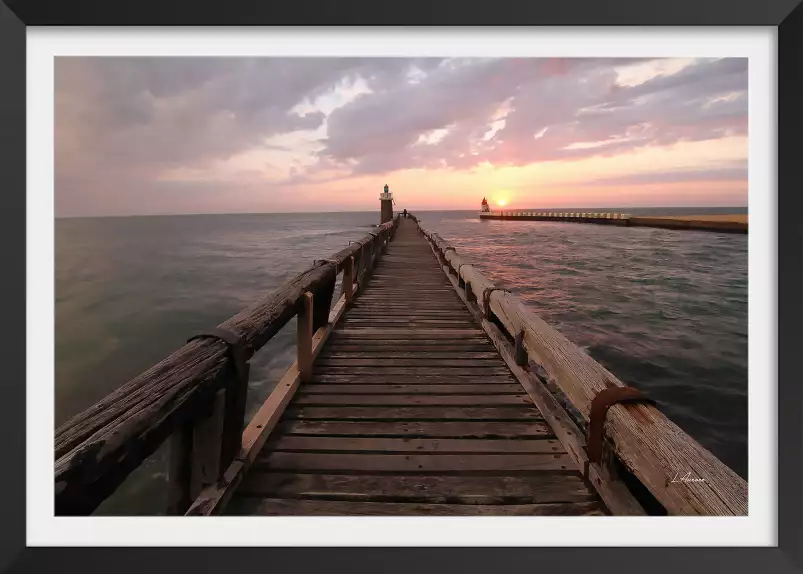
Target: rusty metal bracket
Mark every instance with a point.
(604, 400)
(235, 345)
(486, 300)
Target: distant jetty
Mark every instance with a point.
(728, 223)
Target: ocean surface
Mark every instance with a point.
(664, 310)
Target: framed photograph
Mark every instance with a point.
(384, 284)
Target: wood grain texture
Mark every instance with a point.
(415, 463)
(345, 389)
(438, 489)
(414, 445)
(425, 400)
(419, 413)
(300, 507)
(423, 429)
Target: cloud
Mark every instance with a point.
(720, 174)
(293, 121)
(576, 107)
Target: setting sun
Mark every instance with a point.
(501, 202)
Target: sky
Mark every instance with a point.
(145, 135)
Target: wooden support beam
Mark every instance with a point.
(206, 446)
(348, 279)
(304, 336)
(179, 470)
(234, 422)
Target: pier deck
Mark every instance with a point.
(411, 410)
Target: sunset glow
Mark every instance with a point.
(142, 135)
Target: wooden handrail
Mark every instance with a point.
(98, 448)
(653, 448)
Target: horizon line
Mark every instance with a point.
(398, 211)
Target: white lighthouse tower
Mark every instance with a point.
(386, 201)
(484, 208)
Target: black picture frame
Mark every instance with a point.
(786, 15)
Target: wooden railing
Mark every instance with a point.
(196, 397)
(684, 477)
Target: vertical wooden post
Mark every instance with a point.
(304, 337)
(234, 423)
(348, 279)
(207, 443)
(178, 473)
(195, 456)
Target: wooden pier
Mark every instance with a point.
(733, 223)
(607, 218)
(424, 390)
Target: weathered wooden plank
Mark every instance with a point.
(414, 445)
(420, 429)
(432, 353)
(377, 333)
(382, 371)
(421, 361)
(500, 413)
(401, 288)
(520, 489)
(313, 389)
(438, 378)
(300, 507)
(397, 347)
(415, 463)
(423, 320)
(408, 314)
(367, 308)
(411, 400)
(432, 304)
(403, 345)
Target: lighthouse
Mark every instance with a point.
(386, 200)
(485, 208)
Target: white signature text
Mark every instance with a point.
(686, 478)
